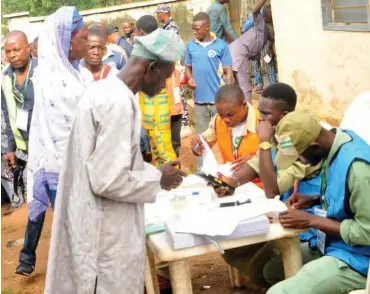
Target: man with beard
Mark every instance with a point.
(341, 261)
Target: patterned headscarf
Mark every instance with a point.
(77, 22)
(160, 45)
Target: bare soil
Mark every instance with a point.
(207, 270)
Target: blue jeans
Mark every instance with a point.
(33, 233)
(256, 68)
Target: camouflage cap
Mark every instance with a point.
(294, 134)
(163, 8)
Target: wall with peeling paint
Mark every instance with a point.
(328, 69)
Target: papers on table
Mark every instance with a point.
(223, 221)
(192, 216)
(247, 228)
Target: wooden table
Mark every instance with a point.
(160, 246)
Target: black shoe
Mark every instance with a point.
(24, 269)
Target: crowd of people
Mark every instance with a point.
(91, 126)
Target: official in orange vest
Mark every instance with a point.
(233, 128)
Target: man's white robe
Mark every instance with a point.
(98, 229)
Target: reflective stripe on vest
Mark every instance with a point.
(12, 112)
(357, 257)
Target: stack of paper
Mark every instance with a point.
(222, 223)
(252, 227)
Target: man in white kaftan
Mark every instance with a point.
(98, 238)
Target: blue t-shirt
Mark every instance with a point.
(207, 66)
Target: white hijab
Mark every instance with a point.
(58, 87)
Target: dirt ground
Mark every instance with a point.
(208, 270)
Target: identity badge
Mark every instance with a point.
(22, 119)
(321, 236)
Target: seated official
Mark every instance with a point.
(276, 101)
(341, 262)
(233, 128)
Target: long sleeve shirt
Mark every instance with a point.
(28, 105)
(220, 23)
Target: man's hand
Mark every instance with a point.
(265, 131)
(192, 84)
(295, 219)
(237, 164)
(196, 145)
(171, 176)
(222, 191)
(301, 201)
(9, 159)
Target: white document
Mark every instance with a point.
(267, 58)
(210, 165)
(223, 221)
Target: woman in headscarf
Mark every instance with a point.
(58, 83)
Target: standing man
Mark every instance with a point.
(96, 49)
(208, 66)
(17, 105)
(115, 38)
(175, 92)
(341, 261)
(107, 253)
(220, 22)
(248, 45)
(115, 56)
(268, 49)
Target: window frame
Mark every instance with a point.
(328, 24)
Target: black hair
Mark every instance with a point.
(282, 93)
(147, 23)
(230, 93)
(98, 31)
(202, 16)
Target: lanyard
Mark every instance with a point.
(324, 184)
(21, 99)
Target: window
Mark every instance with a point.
(346, 15)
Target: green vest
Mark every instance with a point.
(12, 112)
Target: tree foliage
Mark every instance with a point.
(45, 7)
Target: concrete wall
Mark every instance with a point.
(328, 69)
(182, 11)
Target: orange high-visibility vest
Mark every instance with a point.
(248, 146)
(173, 86)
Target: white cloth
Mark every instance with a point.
(357, 116)
(58, 87)
(98, 228)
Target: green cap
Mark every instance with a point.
(294, 134)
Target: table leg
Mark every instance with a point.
(292, 256)
(151, 279)
(234, 277)
(180, 277)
